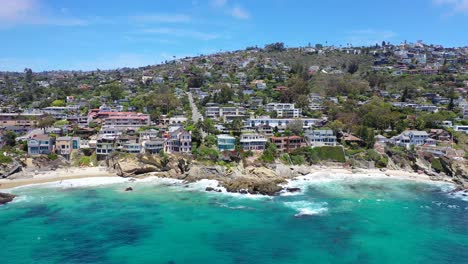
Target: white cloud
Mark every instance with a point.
(455, 6)
(219, 3)
(180, 33)
(365, 37)
(239, 13)
(118, 61)
(161, 18)
(12, 11)
(31, 12)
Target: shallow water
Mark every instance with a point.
(162, 221)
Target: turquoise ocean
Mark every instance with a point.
(165, 221)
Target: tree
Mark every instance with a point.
(28, 75)
(353, 67)
(115, 91)
(225, 95)
(58, 103)
(452, 97)
(404, 97)
(236, 126)
(46, 122)
(195, 81)
(295, 127)
(278, 46)
(10, 138)
(270, 153)
(211, 140)
(197, 137)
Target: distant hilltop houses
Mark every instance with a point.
(274, 102)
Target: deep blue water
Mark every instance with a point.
(353, 221)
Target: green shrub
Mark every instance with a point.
(331, 153)
(53, 156)
(5, 159)
(437, 165)
(269, 154)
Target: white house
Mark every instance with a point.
(321, 137)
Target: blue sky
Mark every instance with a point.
(105, 34)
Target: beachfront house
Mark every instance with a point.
(226, 143)
(179, 141)
(412, 138)
(104, 147)
(66, 145)
(253, 141)
(153, 146)
(318, 138)
(287, 144)
(40, 144)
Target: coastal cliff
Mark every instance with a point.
(260, 178)
(241, 178)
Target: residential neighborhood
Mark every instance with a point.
(377, 101)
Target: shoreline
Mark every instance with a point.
(56, 176)
(315, 173)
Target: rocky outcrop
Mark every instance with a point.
(293, 189)
(253, 186)
(211, 189)
(6, 170)
(125, 166)
(457, 170)
(6, 198)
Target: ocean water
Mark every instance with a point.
(165, 221)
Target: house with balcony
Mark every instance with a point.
(413, 138)
(288, 144)
(225, 113)
(318, 138)
(131, 147)
(153, 146)
(127, 120)
(284, 110)
(148, 134)
(104, 147)
(226, 143)
(64, 146)
(253, 141)
(280, 123)
(40, 144)
(179, 141)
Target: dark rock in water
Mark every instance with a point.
(293, 189)
(129, 189)
(211, 189)
(243, 191)
(6, 198)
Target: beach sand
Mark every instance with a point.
(57, 175)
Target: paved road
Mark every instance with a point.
(196, 115)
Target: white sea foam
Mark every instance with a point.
(304, 208)
(77, 183)
(460, 195)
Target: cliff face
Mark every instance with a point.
(457, 170)
(249, 179)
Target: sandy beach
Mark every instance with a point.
(57, 175)
(339, 173)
